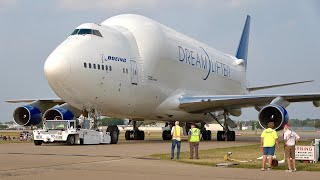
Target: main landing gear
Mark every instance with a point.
(89, 120)
(206, 134)
(226, 134)
(135, 134)
(166, 134)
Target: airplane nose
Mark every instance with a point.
(57, 68)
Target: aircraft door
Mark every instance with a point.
(134, 72)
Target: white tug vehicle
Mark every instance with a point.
(66, 131)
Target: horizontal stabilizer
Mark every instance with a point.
(276, 85)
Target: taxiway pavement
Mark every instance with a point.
(126, 160)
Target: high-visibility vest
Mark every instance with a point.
(176, 132)
(194, 135)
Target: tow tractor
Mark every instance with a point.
(66, 131)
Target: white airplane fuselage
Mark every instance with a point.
(146, 68)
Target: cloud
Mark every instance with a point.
(82, 5)
(105, 4)
(6, 5)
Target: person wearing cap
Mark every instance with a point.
(176, 133)
(194, 136)
(290, 139)
(269, 139)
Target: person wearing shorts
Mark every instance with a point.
(269, 139)
(290, 139)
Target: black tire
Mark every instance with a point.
(138, 135)
(221, 136)
(114, 133)
(209, 135)
(141, 135)
(81, 141)
(204, 135)
(166, 135)
(71, 140)
(128, 135)
(231, 136)
(37, 142)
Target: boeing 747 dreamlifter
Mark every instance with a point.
(130, 66)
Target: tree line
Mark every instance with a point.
(292, 122)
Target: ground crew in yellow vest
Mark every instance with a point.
(194, 137)
(176, 133)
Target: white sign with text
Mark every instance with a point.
(305, 153)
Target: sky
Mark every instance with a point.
(284, 40)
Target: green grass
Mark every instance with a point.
(250, 153)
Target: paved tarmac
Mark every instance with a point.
(126, 160)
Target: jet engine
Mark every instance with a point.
(27, 115)
(274, 113)
(63, 112)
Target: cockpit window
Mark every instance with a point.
(75, 32)
(86, 31)
(97, 33)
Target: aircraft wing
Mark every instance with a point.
(55, 101)
(43, 104)
(203, 104)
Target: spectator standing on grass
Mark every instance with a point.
(269, 138)
(290, 139)
(176, 133)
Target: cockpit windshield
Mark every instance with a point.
(86, 31)
(56, 125)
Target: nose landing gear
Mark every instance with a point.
(135, 134)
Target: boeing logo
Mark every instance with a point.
(112, 58)
(204, 62)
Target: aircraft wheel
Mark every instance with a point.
(71, 140)
(114, 133)
(221, 136)
(231, 136)
(206, 135)
(209, 135)
(166, 135)
(37, 142)
(127, 135)
(139, 135)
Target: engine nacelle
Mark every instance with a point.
(27, 115)
(63, 112)
(274, 113)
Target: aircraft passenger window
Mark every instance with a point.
(110, 68)
(97, 33)
(107, 67)
(85, 65)
(85, 31)
(127, 71)
(94, 66)
(102, 67)
(75, 32)
(124, 70)
(135, 72)
(90, 65)
(98, 66)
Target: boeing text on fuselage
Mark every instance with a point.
(112, 58)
